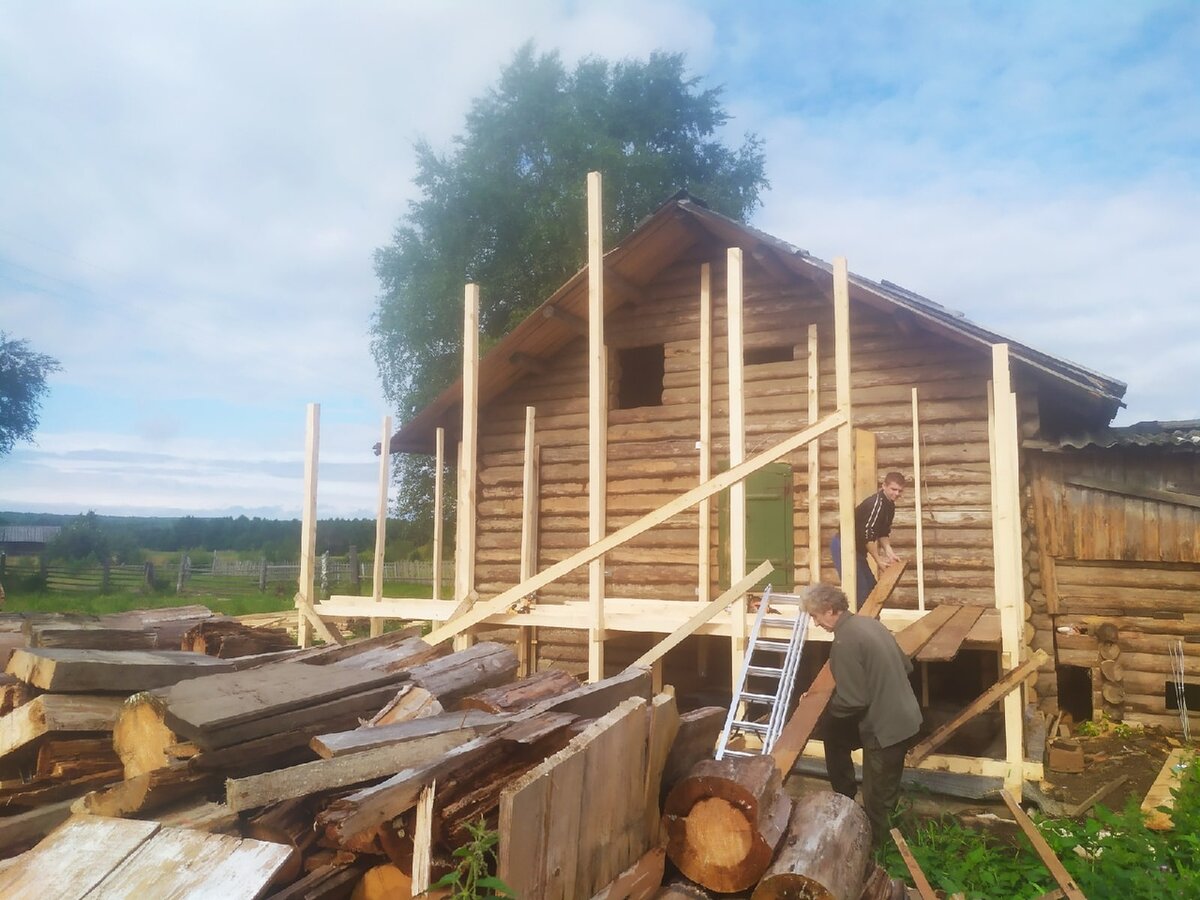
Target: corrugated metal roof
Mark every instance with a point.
(28, 534)
(1182, 435)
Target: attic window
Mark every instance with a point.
(758, 356)
(641, 378)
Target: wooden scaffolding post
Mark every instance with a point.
(845, 442)
(704, 587)
(814, 460)
(597, 422)
(381, 523)
(464, 557)
(526, 641)
(737, 453)
(916, 490)
(439, 466)
(308, 525)
(1006, 541)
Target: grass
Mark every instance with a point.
(230, 600)
(1110, 855)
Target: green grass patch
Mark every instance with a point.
(1117, 855)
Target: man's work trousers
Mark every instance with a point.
(882, 770)
(866, 578)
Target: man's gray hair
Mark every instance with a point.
(823, 598)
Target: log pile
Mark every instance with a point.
(358, 770)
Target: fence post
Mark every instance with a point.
(185, 566)
(3, 564)
(105, 575)
(325, 575)
(262, 576)
(43, 566)
(355, 575)
(148, 574)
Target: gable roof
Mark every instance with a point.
(665, 235)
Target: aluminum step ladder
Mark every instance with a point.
(760, 705)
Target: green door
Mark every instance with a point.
(769, 532)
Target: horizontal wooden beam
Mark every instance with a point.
(685, 501)
(622, 288)
(659, 650)
(1141, 491)
(527, 363)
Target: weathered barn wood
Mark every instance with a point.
(49, 714)
(467, 724)
(127, 671)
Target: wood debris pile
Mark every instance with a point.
(340, 771)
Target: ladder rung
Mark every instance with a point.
(751, 726)
(778, 620)
(729, 752)
(764, 670)
(777, 646)
(757, 698)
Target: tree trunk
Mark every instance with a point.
(1112, 669)
(1109, 650)
(825, 853)
(724, 821)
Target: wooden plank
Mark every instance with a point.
(51, 713)
(913, 638)
(945, 643)
(597, 422)
(1060, 875)
(468, 460)
(704, 512)
(381, 523)
(1160, 794)
(917, 485)
(920, 882)
(659, 650)
(17, 832)
(845, 439)
(1011, 680)
(181, 863)
(866, 467)
(439, 472)
(305, 596)
(735, 388)
(467, 724)
(584, 806)
(422, 862)
(815, 547)
(343, 771)
(717, 483)
(641, 881)
(221, 701)
(127, 671)
(529, 537)
(75, 858)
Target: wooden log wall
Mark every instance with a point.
(1119, 571)
(652, 455)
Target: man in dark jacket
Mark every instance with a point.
(873, 705)
(872, 533)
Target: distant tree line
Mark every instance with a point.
(125, 539)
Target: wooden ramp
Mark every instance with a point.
(108, 858)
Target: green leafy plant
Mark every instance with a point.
(471, 878)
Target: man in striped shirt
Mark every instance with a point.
(872, 533)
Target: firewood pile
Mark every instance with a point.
(242, 765)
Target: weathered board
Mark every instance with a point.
(66, 670)
(99, 857)
(51, 713)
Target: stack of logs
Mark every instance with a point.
(372, 761)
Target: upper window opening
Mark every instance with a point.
(641, 381)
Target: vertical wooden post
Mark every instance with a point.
(526, 646)
(866, 481)
(1006, 531)
(737, 452)
(916, 491)
(464, 561)
(262, 576)
(845, 442)
(704, 558)
(308, 524)
(439, 463)
(355, 570)
(385, 455)
(597, 422)
(814, 459)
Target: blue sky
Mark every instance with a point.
(193, 191)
